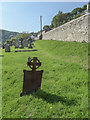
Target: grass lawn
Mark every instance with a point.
(64, 88)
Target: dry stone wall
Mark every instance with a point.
(75, 30)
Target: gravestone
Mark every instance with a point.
(32, 79)
(0, 45)
(25, 43)
(29, 59)
(13, 42)
(3, 46)
(7, 48)
(9, 42)
(16, 43)
(30, 44)
(22, 43)
(19, 41)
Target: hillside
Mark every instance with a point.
(5, 35)
(64, 88)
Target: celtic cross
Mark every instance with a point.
(34, 63)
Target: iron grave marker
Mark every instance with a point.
(32, 79)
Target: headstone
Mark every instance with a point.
(9, 42)
(0, 45)
(3, 46)
(13, 41)
(19, 41)
(22, 43)
(32, 79)
(16, 43)
(29, 59)
(30, 44)
(25, 43)
(7, 48)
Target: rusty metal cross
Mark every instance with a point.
(34, 63)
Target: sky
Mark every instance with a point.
(25, 16)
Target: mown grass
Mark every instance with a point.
(0, 83)
(64, 88)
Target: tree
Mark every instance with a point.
(45, 27)
(58, 19)
(23, 35)
(62, 18)
(84, 7)
(77, 11)
(68, 16)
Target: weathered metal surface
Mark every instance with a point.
(32, 79)
(34, 63)
(7, 48)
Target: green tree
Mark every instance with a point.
(77, 11)
(58, 19)
(45, 27)
(84, 7)
(68, 16)
(23, 35)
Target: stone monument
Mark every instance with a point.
(25, 43)
(16, 43)
(7, 48)
(9, 42)
(22, 43)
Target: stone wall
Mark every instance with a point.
(75, 30)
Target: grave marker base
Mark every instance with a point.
(32, 81)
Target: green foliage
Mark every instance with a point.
(9, 36)
(62, 18)
(68, 16)
(64, 88)
(46, 26)
(23, 36)
(77, 11)
(84, 7)
(34, 34)
(58, 19)
(78, 15)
